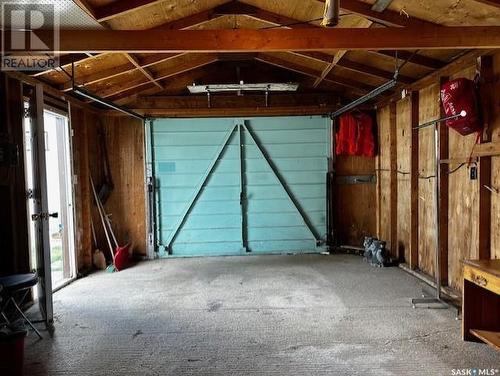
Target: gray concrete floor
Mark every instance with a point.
(256, 315)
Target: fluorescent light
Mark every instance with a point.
(266, 87)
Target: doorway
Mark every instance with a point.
(58, 173)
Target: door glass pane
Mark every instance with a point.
(59, 197)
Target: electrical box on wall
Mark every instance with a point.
(9, 155)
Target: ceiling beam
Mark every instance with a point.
(66, 62)
(388, 18)
(86, 7)
(493, 3)
(119, 8)
(422, 60)
(355, 66)
(381, 5)
(144, 71)
(372, 71)
(247, 40)
(106, 74)
(358, 87)
(169, 72)
(233, 105)
(329, 67)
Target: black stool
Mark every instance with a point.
(13, 284)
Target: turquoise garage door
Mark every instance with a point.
(240, 186)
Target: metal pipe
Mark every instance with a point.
(437, 121)
(372, 94)
(107, 103)
(331, 15)
(437, 266)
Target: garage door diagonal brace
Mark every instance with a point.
(283, 184)
(197, 192)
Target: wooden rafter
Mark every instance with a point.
(247, 40)
(388, 18)
(119, 8)
(66, 61)
(86, 7)
(381, 5)
(171, 71)
(422, 60)
(115, 71)
(329, 68)
(493, 3)
(358, 87)
(144, 71)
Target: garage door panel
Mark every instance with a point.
(208, 218)
(194, 221)
(212, 235)
(280, 220)
(283, 205)
(270, 246)
(285, 151)
(180, 194)
(278, 233)
(206, 248)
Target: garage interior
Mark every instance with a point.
(251, 187)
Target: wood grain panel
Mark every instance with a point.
(463, 196)
(355, 204)
(404, 134)
(429, 110)
(384, 175)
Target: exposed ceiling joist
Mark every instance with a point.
(144, 71)
(358, 87)
(493, 3)
(66, 62)
(329, 68)
(388, 18)
(251, 104)
(171, 71)
(106, 74)
(372, 71)
(189, 21)
(86, 7)
(246, 40)
(422, 60)
(119, 8)
(381, 5)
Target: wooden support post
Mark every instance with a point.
(394, 183)
(443, 194)
(413, 261)
(485, 67)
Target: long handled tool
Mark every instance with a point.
(103, 220)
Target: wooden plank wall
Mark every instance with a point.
(355, 204)
(403, 143)
(124, 138)
(463, 193)
(495, 163)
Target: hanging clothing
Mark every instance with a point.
(355, 135)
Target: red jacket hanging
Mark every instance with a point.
(355, 135)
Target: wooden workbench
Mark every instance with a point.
(481, 302)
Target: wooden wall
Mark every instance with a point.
(124, 138)
(462, 218)
(354, 204)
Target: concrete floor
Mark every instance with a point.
(259, 315)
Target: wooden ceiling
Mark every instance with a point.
(131, 79)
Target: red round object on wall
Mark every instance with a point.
(457, 96)
(122, 257)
